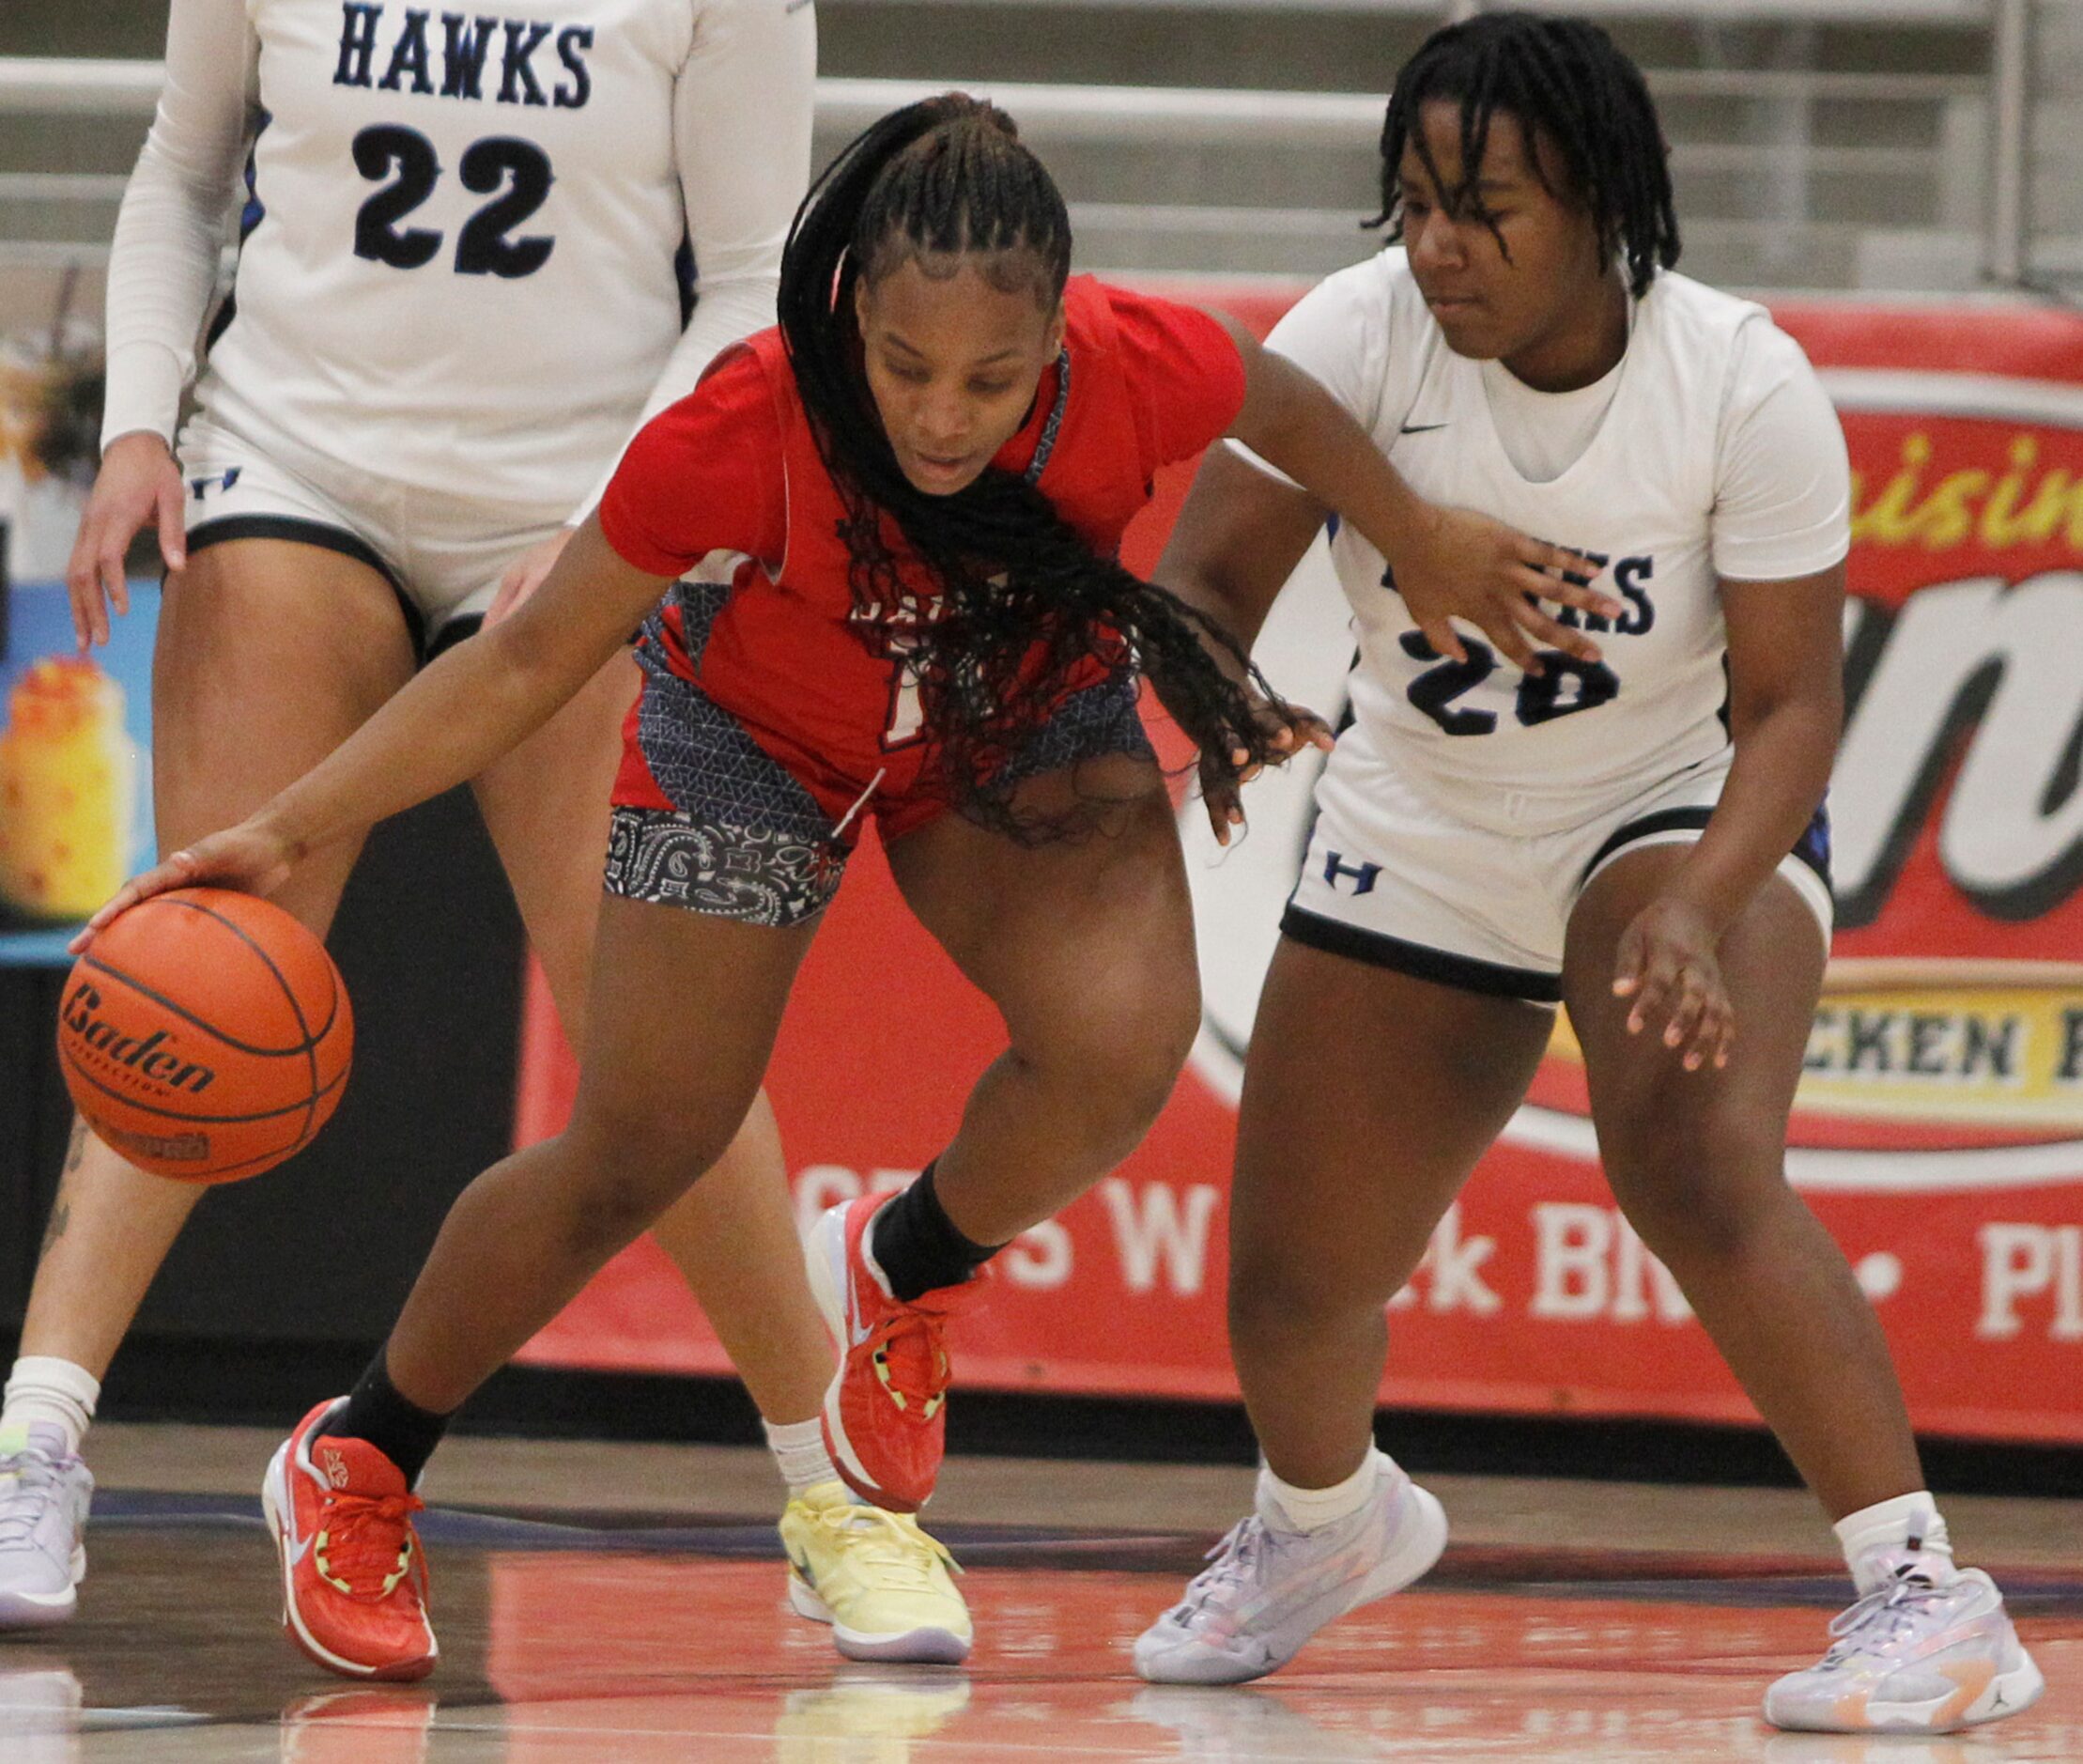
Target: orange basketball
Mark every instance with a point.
(206, 1035)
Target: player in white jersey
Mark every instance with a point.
(1638, 836)
(468, 246)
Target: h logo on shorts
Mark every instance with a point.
(1363, 874)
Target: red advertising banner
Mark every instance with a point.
(1938, 1132)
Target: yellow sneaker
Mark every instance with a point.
(876, 1577)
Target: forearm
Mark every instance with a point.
(474, 704)
(1296, 427)
(1780, 773)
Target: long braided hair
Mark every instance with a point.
(1563, 78)
(1024, 604)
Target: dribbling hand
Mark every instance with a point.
(1667, 969)
(248, 858)
(1472, 568)
(1288, 729)
(138, 486)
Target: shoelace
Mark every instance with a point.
(891, 1542)
(1873, 1624)
(911, 1360)
(1239, 1560)
(27, 1479)
(367, 1545)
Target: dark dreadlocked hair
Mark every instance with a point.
(1559, 77)
(1025, 602)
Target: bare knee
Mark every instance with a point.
(627, 1167)
(1696, 1187)
(1280, 1292)
(1116, 1060)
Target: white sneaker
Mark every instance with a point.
(1270, 1590)
(1914, 1655)
(44, 1493)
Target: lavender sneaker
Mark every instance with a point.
(1918, 1654)
(44, 1493)
(1268, 1589)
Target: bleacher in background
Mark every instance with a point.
(1818, 144)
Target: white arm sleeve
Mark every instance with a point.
(170, 230)
(741, 118)
(1783, 488)
(1338, 334)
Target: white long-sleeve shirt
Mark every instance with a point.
(459, 230)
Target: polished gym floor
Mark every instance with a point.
(608, 1602)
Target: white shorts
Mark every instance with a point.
(442, 555)
(1395, 878)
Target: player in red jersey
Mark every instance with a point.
(919, 485)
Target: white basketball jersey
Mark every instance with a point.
(1528, 751)
(458, 262)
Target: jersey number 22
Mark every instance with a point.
(514, 173)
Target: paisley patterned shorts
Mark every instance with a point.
(745, 839)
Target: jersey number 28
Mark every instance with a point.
(514, 173)
(1566, 687)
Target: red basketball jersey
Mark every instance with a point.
(735, 467)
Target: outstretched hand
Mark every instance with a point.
(1472, 568)
(1289, 730)
(1667, 966)
(248, 858)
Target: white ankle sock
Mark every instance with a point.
(799, 1450)
(44, 1389)
(1311, 1509)
(1877, 1538)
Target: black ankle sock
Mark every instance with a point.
(396, 1426)
(917, 1245)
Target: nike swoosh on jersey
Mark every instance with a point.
(1419, 428)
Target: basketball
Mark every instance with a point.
(206, 1035)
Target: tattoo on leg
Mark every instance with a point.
(61, 1215)
(61, 1209)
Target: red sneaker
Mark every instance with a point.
(353, 1580)
(884, 1423)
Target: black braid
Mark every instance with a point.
(1025, 603)
(1565, 79)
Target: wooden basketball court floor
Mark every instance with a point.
(624, 1602)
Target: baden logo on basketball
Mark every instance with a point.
(154, 1057)
(1948, 1047)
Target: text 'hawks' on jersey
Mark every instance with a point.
(1660, 487)
(465, 255)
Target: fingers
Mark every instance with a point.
(1566, 576)
(1655, 991)
(172, 524)
(1501, 625)
(173, 873)
(1224, 813)
(1439, 632)
(1531, 616)
(1685, 996)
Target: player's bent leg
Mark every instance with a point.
(1369, 1096)
(1086, 947)
(732, 1235)
(658, 1103)
(270, 655)
(1697, 1161)
(882, 1585)
(683, 1013)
